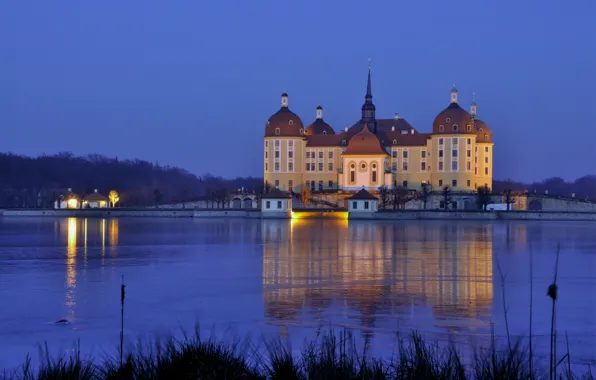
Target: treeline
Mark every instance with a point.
(39, 181)
(582, 188)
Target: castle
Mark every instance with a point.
(373, 153)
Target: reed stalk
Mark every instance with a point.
(122, 293)
(552, 293)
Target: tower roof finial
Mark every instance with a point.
(368, 85)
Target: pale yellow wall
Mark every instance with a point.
(283, 174)
(363, 177)
(414, 174)
(463, 175)
(484, 167)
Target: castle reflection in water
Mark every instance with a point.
(382, 273)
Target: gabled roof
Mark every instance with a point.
(277, 194)
(364, 196)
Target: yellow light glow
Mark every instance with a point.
(71, 259)
(72, 203)
(343, 215)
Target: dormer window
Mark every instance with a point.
(394, 142)
(480, 129)
(448, 120)
(324, 132)
(485, 137)
(454, 128)
(268, 122)
(468, 128)
(277, 131)
(301, 131)
(343, 142)
(291, 122)
(441, 128)
(404, 132)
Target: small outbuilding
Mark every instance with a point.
(95, 200)
(276, 204)
(363, 201)
(68, 200)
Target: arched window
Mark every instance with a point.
(324, 132)
(301, 131)
(454, 127)
(343, 142)
(448, 120)
(441, 128)
(374, 173)
(291, 122)
(277, 131)
(468, 128)
(394, 142)
(352, 173)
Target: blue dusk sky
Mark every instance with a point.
(192, 83)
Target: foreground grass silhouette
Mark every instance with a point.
(330, 356)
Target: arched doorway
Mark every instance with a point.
(535, 205)
(236, 203)
(247, 203)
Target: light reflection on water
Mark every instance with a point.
(288, 277)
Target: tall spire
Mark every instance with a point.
(368, 108)
(368, 86)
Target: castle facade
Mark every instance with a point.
(373, 153)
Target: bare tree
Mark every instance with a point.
(305, 196)
(446, 197)
(483, 197)
(425, 192)
(384, 195)
(509, 199)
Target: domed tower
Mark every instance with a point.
(319, 127)
(284, 148)
(452, 148)
(483, 167)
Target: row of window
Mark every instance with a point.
(268, 204)
(454, 128)
(310, 154)
(312, 184)
(313, 168)
(355, 205)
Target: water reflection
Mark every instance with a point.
(377, 275)
(86, 234)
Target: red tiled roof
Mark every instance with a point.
(364, 143)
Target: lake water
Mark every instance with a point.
(290, 278)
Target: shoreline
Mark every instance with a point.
(304, 214)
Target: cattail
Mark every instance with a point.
(122, 293)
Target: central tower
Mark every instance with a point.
(368, 108)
